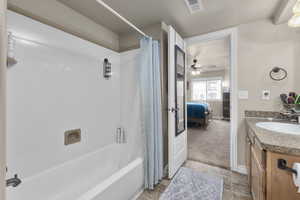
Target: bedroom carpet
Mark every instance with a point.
(210, 145)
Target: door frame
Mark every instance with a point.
(3, 68)
(232, 33)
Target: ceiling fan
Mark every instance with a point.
(202, 67)
(193, 66)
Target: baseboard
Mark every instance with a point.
(241, 169)
(138, 194)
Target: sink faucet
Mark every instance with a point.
(292, 116)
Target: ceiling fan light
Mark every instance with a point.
(194, 73)
(296, 8)
(295, 21)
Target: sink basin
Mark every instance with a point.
(280, 127)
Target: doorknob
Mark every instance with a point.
(172, 109)
(282, 164)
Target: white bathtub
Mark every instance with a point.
(96, 176)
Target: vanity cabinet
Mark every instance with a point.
(280, 182)
(255, 162)
(266, 180)
(248, 159)
(257, 177)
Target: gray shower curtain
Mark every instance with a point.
(150, 90)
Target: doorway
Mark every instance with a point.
(211, 99)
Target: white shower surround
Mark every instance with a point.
(66, 72)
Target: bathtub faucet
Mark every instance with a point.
(14, 182)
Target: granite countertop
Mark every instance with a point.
(273, 141)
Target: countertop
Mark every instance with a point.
(273, 141)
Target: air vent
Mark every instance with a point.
(194, 5)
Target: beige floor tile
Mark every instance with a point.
(239, 178)
(235, 185)
(227, 195)
(238, 196)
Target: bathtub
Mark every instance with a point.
(95, 176)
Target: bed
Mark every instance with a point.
(198, 114)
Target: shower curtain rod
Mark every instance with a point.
(121, 17)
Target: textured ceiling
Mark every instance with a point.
(212, 53)
(217, 14)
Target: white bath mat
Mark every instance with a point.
(192, 185)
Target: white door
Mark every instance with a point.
(3, 54)
(3, 42)
(177, 123)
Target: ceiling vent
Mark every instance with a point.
(194, 5)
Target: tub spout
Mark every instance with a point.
(14, 182)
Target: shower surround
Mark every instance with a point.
(58, 85)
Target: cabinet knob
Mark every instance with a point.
(282, 164)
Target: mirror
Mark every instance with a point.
(180, 90)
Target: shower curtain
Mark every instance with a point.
(150, 90)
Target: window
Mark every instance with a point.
(203, 90)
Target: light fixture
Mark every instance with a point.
(295, 20)
(195, 73)
(296, 8)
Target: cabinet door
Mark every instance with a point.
(248, 159)
(257, 178)
(280, 185)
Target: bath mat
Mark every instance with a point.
(192, 185)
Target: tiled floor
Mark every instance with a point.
(235, 185)
(202, 143)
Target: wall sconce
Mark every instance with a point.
(295, 20)
(107, 69)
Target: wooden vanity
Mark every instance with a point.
(263, 150)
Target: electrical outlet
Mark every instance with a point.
(266, 94)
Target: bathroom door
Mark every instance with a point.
(3, 67)
(177, 123)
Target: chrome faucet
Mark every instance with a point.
(14, 182)
(291, 115)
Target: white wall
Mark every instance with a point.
(297, 70)
(130, 41)
(58, 15)
(57, 85)
(261, 46)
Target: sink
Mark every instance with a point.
(280, 127)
